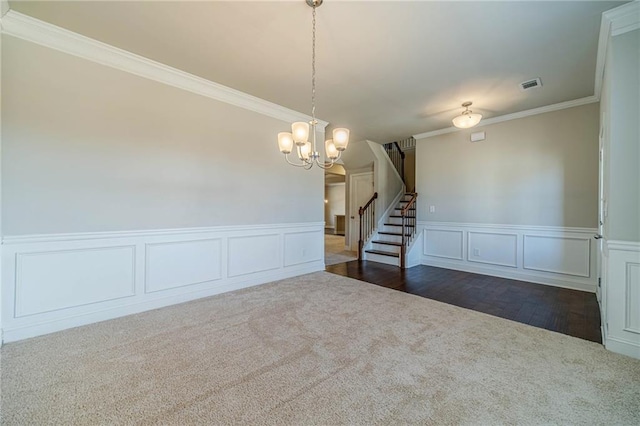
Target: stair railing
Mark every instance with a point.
(409, 222)
(367, 222)
(396, 155)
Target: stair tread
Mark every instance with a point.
(398, 216)
(383, 253)
(399, 234)
(399, 224)
(389, 243)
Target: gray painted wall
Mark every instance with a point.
(539, 170)
(624, 149)
(88, 148)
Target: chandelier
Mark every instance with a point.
(468, 118)
(298, 139)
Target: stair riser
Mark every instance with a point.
(397, 220)
(383, 259)
(398, 229)
(391, 238)
(385, 247)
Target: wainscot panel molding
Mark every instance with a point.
(254, 253)
(622, 296)
(299, 250)
(558, 256)
(45, 34)
(444, 243)
(82, 276)
(178, 264)
(55, 282)
(494, 248)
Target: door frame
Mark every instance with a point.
(352, 209)
(601, 255)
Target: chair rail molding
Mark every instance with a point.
(557, 256)
(45, 34)
(54, 282)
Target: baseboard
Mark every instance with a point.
(623, 347)
(51, 283)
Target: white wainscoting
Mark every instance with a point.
(183, 263)
(493, 248)
(444, 243)
(563, 257)
(622, 295)
(54, 282)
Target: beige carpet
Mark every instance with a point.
(318, 349)
(334, 251)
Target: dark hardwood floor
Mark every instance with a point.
(571, 312)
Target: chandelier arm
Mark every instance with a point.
(305, 164)
(325, 166)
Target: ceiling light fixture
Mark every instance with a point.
(467, 118)
(307, 152)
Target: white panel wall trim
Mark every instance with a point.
(622, 287)
(183, 263)
(254, 253)
(494, 248)
(81, 277)
(43, 33)
(444, 243)
(558, 256)
(50, 283)
(632, 297)
(303, 247)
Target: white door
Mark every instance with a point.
(360, 191)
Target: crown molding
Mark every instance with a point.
(45, 34)
(624, 18)
(614, 22)
(514, 116)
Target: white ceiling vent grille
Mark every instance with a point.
(530, 84)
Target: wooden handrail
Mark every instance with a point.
(397, 157)
(399, 149)
(411, 218)
(366, 206)
(410, 203)
(367, 215)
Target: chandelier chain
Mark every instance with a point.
(313, 68)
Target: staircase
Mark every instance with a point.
(388, 244)
(389, 239)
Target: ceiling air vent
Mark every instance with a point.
(530, 84)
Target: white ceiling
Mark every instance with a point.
(385, 69)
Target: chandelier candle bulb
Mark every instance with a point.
(341, 138)
(331, 150)
(305, 151)
(285, 142)
(300, 131)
